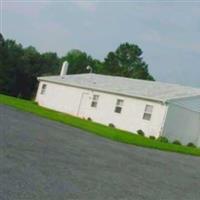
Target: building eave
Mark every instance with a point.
(160, 101)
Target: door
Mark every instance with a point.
(84, 105)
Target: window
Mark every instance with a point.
(119, 104)
(43, 90)
(95, 99)
(148, 112)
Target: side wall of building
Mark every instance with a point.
(77, 101)
(182, 124)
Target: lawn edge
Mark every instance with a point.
(110, 133)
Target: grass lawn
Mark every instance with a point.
(95, 128)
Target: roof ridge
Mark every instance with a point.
(133, 79)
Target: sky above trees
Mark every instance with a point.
(167, 32)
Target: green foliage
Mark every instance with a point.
(163, 139)
(78, 61)
(95, 128)
(140, 132)
(127, 61)
(111, 125)
(177, 142)
(190, 144)
(152, 137)
(20, 67)
(89, 119)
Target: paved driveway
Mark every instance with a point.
(46, 160)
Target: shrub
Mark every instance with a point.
(176, 142)
(163, 139)
(190, 144)
(111, 125)
(89, 119)
(34, 102)
(152, 137)
(140, 132)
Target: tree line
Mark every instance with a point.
(20, 67)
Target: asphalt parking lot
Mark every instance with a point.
(41, 159)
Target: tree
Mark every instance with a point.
(78, 61)
(20, 67)
(2, 55)
(127, 61)
(1, 43)
(2, 49)
(10, 67)
(50, 63)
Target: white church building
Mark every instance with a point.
(159, 109)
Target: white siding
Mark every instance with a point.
(77, 101)
(60, 97)
(182, 124)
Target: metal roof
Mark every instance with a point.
(191, 103)
(151, 90)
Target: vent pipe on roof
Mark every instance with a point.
(63, 71)
(89, 68)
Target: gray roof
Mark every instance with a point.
(191, 103)
(151, 90)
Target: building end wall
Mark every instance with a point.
(182, 124)
(77, 101)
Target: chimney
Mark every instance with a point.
(64, 69)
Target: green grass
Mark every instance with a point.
(95, 128)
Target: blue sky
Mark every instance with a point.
(168, 32)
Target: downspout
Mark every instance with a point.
(164, 119)
(80, 102)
